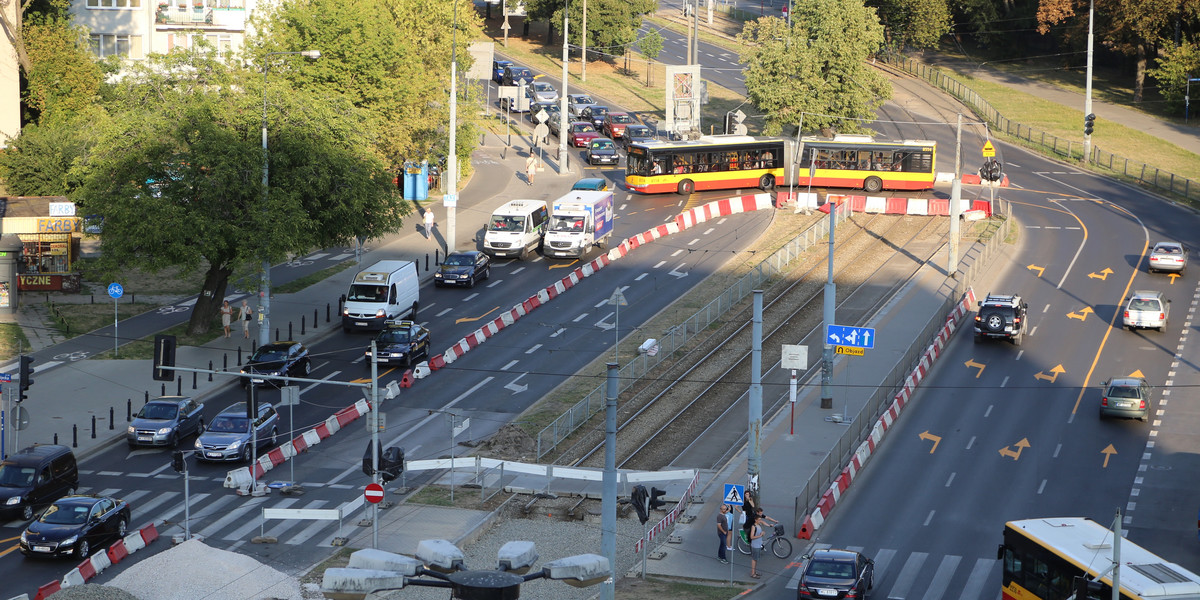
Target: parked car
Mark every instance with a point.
(401, 342)
(582, 133)
(635, 134)
(1126, 397)
(836, 574)
(540, 91)
(615, 124)
(74, 525)
(276, 359)
(1169, 256)
(162, 421)
(35, 477)
(513, 75)
(591, 184)
(498, 69)
(575, 103)
(602, 151)
(594, 113)
(229, 433)
(1147, 309)
(463, 268)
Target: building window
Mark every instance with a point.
(222, 42)
(126, 46)
(114, 3)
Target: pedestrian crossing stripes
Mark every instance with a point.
(923, 576)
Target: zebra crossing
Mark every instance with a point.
(923, 576)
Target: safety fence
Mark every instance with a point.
(676, 337)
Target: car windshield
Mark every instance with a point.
(1167, 250)
(1143, 304)
(539, 86)
(14, 476)
(459, 260)
(229, 425)
(605, 145)
(567, 224)
(583, 128)
(158, 411)
(584, 100)
(265, 355)
(395, 336)
(831, 569)
(1122, 391)
(507, 224)
(622, 119)
(599, 111)
(638, 130)
(367, 293)
(66, 515)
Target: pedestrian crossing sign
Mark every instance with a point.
(734, 494)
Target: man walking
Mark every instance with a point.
(724, 533)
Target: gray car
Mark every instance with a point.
(1126, 397)
(162, 421)
(1169, 256)
(1147, 309)
(228, 435)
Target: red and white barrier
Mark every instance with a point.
(671, 517)
(97, 563)
(858, 460)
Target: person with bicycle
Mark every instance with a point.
(762, 517)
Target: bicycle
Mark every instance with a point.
(778, 543)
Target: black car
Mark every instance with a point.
(1001, 316)
(162, 421)
(513, 75)
(551, 109)
(636, 134)
(276, 359)
(836, 574)
(463, 268)
(602, 151)
(74, 525)
(594, 113)
(400, 342)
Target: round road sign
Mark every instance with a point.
(374, 493)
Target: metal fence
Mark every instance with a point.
(674, 338)
(1138, 171)
(976, 258)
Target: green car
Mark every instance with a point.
(595, 184)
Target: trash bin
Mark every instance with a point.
(416, 181)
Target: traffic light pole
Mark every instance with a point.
(1087, 98)
(374, 442)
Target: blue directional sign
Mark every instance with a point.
(5, 377)
(734, 494)
(855, 337)
(115, 290)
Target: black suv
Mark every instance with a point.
(1001, 316)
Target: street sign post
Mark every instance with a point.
(116, 291)
(844, 335)
(373, 493)
(989, 151)
(734, 494)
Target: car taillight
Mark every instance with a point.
(803, 593)
(851, 594)
(1142, 404)
(1016, 320)
(1104, 401)
(1126, 314)
(1162, 315)
(978, 318)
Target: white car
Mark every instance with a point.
(1147, 309)
(1169, 256)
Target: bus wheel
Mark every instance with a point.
(873, 185)
(766, 183)
(686, 187)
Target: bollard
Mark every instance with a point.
(74, 435)
(437, 257)
(253, 348)
(226, 358)
(426, 262)
(289, 331)
(327, 317)
(315, 320)
(93, 296)
(129, 410)
(302, 319)
(56, 438)
(111, 418)
(179, 386)
(164, 391)
(194, 374)
(277, 332)
(210, 369)
(93, 427)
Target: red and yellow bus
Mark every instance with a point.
(1042, 558)
(722, 162)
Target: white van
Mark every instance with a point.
(516, 228)
(388, 289)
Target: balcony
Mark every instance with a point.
(200, 15)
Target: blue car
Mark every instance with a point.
(498, 69)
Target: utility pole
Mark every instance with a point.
(754, 460)
(955, 198)
(608, 501)
(563, 167)
(375, 448)
(450, 198)
(829, 301)
(583, 43)
(1087, 97)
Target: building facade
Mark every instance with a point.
(134, 29)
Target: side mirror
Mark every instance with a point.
(1000, 552)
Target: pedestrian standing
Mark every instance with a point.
(429, 223)
(226, 316)
(530, 168)
(756, 545)
(245, 315)
(724, 533)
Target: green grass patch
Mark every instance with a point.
(12, 340)
(292, 287)
(73, 320)
(435, 495)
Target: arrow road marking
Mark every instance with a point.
(1082, 314)
(675, 272)
(472, 319)
(925, 435)
(514, 386)
(564, 265)
(1108, 452)
(1021, 445)
(974, 365)
(1054, 373)
(1040, 270)
(603, 325)
(1102, 275)
(1173, 277)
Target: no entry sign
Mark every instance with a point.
(374, 493)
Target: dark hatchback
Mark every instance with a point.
(463, 268)
(836, 574)
(162, 421)
(595, 114)
(276, 359)
(602, 151)
(400, 342)
(74, 525)
(636, 134)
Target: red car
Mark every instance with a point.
(616, 122)
(582, 133)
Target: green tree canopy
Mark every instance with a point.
(816, 71)
(178, 175)
(63, 78)
(612, 25)
(913, 23)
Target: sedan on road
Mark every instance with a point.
(1169, 256)
(276, 359)
(1147, 309)
(636, 134)
(463, 268)
(162, 421)
(229, 435)
(498, 69)
(582, 133)
(594, 113)
(400, 342)
(602, 151)
(615, 124)
(575, 104)
(74, 525)
(1126, 397)
(836, 574)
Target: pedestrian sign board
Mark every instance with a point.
(989, 151)
(734, 494)
(844, 335)
(850, 351)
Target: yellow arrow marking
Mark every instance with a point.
(1054, 373)
(472, 319)
(368, 379)
(1102, 275)
(1082, 314)
(1040, 270)
(925, 435)
(974, 365)
(1173, 277)
(1108, 452)
(1021, 445)
(1137, 373)
(563, 266)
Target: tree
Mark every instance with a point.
(40, 161)
(815, 71)
(651, 44)
(1175, 67)
(612, 25)
(915, 23)
(177, 176)
(63, 76)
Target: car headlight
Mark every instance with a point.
(24, 537)
(69, 541)
(164, 431)
(437, 275)
(15, 500)
(130, 429)
(244, 372)
(345, 312)
(198, 444)
(234, 446)
(380, 313)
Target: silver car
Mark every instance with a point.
(162, 421)
(1127, 397)
(1169, 256)
(1147, 309)
(228, 435)
(540, 91)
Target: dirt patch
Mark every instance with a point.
(509, 443)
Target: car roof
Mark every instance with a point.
(1126, 381)
(239, 408)
(464, 253)
(37, 452)
(171, 400)
(1147, 294)
(835, 555)
(1166, 243)
(80, 500)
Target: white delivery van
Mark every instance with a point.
(516, 228)
(388, 289)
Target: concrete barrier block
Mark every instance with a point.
(311, 437)
(134, 542)
(381, 560)
(352, 584)
(421, 371)
(238, 478)
(72, 578)
(100, 561)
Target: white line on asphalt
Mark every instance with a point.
(694, 242)
(640, 277)
(660, 263)
(581, 317)
(341, 257)
(677, 252)
(444, 312)
(509, 365)
(518, 270)
(709, 230)
(316, 256)
(470, 297)
(533, 349)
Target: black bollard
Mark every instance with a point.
(328, 318)
(210, 369)
(56, 438)
(290, 337)
(129, 410)
(194, 374)
(226, 357)
(93, 427)
(277, 332)
(426, 262)
(437, 257)
(111, 418)
(253, 349)
(179, 386)
(74, 435)
(302, 319)
(93, 298)
(147, 397)
(315, 319)
(164, 390)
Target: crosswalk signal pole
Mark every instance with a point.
(374, 442)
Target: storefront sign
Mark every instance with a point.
(62, 209)
(57, 225)
(47, 283)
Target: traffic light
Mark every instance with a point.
(733, 122)
(164, 357)
(655, 502)
(1086, 589)
(1089, 123)
(640, 499)
(26, 375)
(392, 464)
(177, 461)
(991, 170)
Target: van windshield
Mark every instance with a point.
(499, 223)
(367, 293)
(567, 224)
(14, 476)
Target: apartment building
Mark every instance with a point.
(134, 29)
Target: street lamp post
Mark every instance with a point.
(264, 293)
(450, 198)
(563, 167)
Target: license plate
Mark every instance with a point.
(145, 438)
(1128, 404)
(42, 549)
(828, 593)
(360, 323)
(213, 454)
